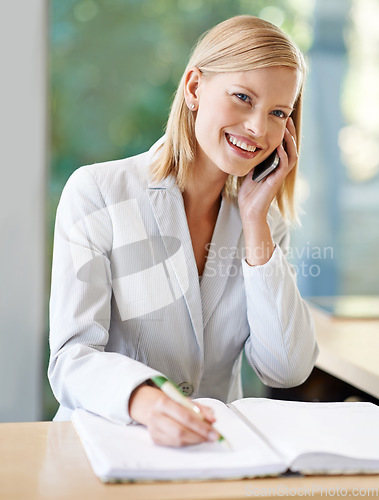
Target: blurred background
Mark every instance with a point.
(87, 81)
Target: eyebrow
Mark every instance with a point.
(257, 97)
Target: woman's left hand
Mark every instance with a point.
(255, 198)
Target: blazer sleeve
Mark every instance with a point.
(281, 346)
(81, 373)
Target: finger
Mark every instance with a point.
(291, 149)
(168, 432)
(290, 140)
(291, 128)
(187, 418)
(207, 412)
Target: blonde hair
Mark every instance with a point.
(241, 43)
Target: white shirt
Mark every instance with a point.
(126, 301)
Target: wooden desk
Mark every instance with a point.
(45, 460)
(349, 350)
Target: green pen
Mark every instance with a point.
(174, 393)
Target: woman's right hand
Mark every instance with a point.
(169, 423)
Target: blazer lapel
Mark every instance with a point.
(222, 253)
(168, 208)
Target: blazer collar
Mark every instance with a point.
(221, 256)
(168, 208)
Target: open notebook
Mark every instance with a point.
(268, 437)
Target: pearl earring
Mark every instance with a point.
(192, 106)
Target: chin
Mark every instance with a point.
(233, 168)
(236, 172)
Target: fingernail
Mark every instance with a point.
(212, 436)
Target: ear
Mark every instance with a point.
(191, 86)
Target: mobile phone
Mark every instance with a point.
(266, 167)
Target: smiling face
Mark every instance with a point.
(240, 116)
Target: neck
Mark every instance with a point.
(202, 195)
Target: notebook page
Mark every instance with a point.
(294, 428)
(236, 431)
(126, 452)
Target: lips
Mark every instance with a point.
(240, 144)
(242, 147)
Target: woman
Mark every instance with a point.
(172, 262)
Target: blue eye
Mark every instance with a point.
(243, 97)
(279, 113)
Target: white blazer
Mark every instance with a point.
(127, 302)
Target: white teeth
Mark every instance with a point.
(240, 144)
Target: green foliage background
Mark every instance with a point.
(114, 67)
(115, 64)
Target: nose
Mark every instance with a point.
(256, 123)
